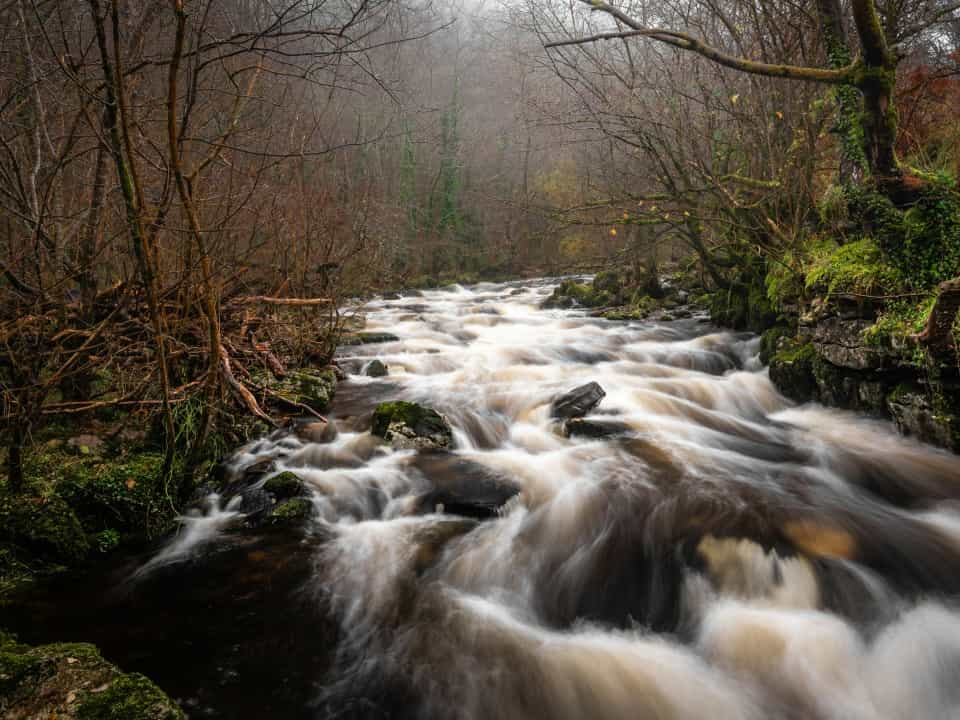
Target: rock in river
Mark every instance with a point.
(407, 426)
(375, 368)
(460, 486)
(577, 402)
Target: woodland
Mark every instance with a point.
(195, 194)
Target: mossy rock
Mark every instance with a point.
(313, 389)
(791, 370)
(569, 294)
(291, 512)
(770, 341)
(608, 281)
(71, 681)
(285, 485)
(44, 526)
(409, 425)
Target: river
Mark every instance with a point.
(713, 551)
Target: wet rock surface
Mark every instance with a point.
(577, 402)
(408, 425)
(461, 487)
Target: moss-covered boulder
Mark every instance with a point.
(71, 681)
(43, 527)
(407, 425)
(284, 486)
(291, 512)
(313, 389)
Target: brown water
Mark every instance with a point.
(726, 555)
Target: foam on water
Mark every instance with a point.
(728, 555)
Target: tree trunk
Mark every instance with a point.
(836, 41)
(876, 80)
(114, 89)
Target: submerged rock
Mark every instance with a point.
(317, 432)
(577, 402)
(407, 425)
(578, 427)
(375, 368)
(461, 486)
(71, 681)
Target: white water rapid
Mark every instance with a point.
(716, 552)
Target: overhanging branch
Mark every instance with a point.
(684, 41)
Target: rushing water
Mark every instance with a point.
(723, 554)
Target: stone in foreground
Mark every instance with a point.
(577, 402)
(71, 681)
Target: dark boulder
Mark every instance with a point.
(462, 487)
(595, 429)
(375, 368)
(577, 402)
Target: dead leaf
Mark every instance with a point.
(131, 483)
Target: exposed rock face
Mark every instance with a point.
(831, 362)
(841, 343)
(71, 681)
(409, 426)
(577, 402)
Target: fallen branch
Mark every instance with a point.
(283, 301)
(245, 395)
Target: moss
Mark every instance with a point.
(608, 281)
(313, 389)
(285, 485)
(130, 697)
(291, 511)
(792, 370)
(18, 668)
(858, 267)
(770, 340)
(43, 526)
(125, 494)
(73, 680)
(400, 419)
(922, 241)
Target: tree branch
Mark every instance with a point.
(683, 41)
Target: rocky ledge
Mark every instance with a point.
(71, 681)
(836, 356)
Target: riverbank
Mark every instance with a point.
(839, 349)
